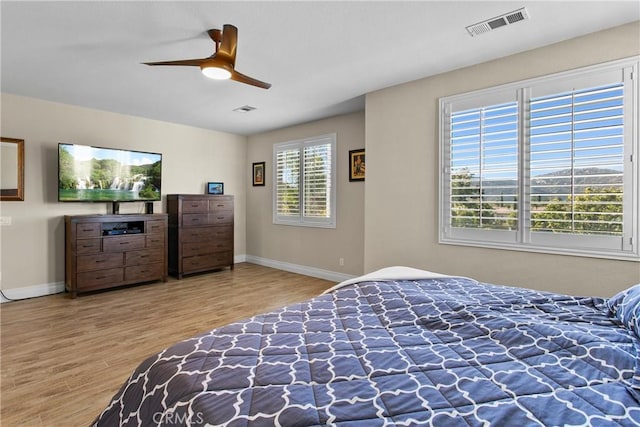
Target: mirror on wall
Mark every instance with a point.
(11, 169)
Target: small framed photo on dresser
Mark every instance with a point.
(215, 188)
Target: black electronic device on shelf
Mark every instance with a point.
(119, 228)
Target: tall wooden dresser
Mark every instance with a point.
(200, 233)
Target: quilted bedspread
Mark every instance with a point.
(443, 351)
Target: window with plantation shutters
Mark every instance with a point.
(546, 165)
(304, 192)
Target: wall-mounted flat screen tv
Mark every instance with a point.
(97, 174)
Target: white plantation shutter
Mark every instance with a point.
(304, 193)
(480, 189)
(288, 182)
(484, 167)
(317, 181)
(546, 165)
(577, 161)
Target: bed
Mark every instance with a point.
(401, 347)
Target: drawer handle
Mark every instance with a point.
(87, 229)
(123, 243)
(87, 246)
(101, 277)
(99, 261)
(220, 206)
(194, 205)
(220, 217)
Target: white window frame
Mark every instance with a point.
(301, 219)
(523, 238)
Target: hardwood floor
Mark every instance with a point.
(62, 359)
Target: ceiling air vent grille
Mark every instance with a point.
(244, 109)
(497, 22)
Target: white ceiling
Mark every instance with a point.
(321, 57)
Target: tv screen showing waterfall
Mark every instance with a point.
(96, 174)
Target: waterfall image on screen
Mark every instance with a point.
(94, 174)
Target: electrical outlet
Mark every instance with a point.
(5, 220)
(341, 262)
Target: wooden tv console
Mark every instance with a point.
(106, 251)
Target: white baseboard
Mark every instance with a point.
(56, 288)
(300, 269)
(31, 291)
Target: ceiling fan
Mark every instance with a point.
(220, 65)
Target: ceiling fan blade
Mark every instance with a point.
(229, 43)
(239, 77)
(187, 62)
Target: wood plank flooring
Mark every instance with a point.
(62, 359)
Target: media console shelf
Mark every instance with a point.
(106, 251)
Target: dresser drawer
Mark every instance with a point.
(192, 249)
(142, 257)
(194, 220)
(194, 263)
(155, 227)
(146, 272)
(99, 261)
(201, 248)
(195, 234)
(220, 205)
(88, 246)
(206, 234)
(201, 262)
(221, 217)
(195, 206)
(155, 241)
(91, 229)
(101, 278)
(123, 243)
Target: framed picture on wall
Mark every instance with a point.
(215, 188)
(356, 165)
(258, 174)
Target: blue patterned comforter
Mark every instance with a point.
(442, 352)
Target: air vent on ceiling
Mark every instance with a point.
(244, 109)
(498, 21)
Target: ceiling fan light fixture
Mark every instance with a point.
(217, 73)
(220, 65)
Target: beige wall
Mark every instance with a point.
(393, 222)
(401, 215)
(32, 248)
(318, 248)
